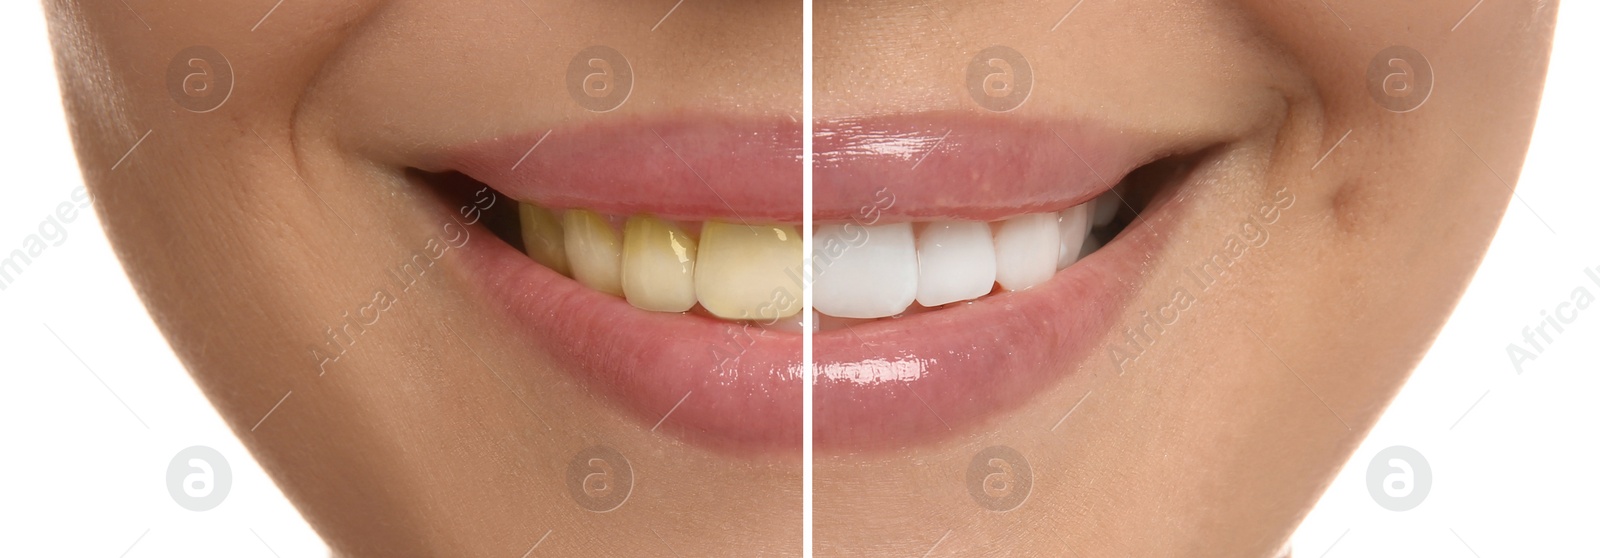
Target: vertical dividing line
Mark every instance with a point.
(806, 361)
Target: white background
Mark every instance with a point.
(87, 443)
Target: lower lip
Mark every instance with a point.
(881, 385)
(720, 384)
(895, 383)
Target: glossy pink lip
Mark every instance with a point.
(691, 169)
(892, 383)
(879, 385)
(886, 385)
(727, 385)
(969, 167)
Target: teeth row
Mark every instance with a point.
(880, 271)
(734, 272)
(744, 272)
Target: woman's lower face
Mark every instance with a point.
(480, 278)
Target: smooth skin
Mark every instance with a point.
(251, 229)
(1221, 436)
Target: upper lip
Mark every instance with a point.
(888, 382)
(959, 166)
(692, 169)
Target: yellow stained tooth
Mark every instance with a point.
(658, 261)
(542, 238)
(748, 272)
(593, 251)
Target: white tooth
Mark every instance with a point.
(1105, 208)
(829, 323)
(1074, 228)
(955, 262)
(1025, 250)
(864, 271)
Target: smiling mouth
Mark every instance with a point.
(1026, 240)
(656, 261)
(952, 271)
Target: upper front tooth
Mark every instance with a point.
(874, 277)
(1026, 248)
(658, 261)
(955, 262)
(748, 272)
(542, 238)
(1074, 228)
(593, 251)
